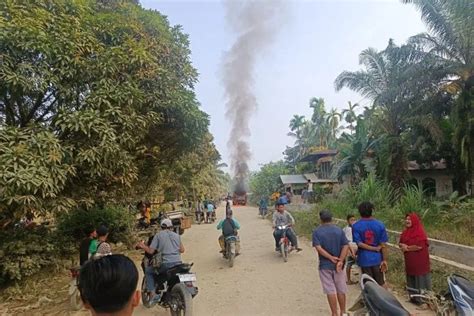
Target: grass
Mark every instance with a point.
(307, 221)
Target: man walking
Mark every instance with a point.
(332, 247)
(371, 238)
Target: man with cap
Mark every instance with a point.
(283, 218)
(332, 246)
(169, 245)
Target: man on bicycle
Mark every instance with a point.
(284, 218)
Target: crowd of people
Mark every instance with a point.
(364, 242)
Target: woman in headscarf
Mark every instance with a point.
(414, 245)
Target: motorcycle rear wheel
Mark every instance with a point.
(231, 254)
(181, 302)
(146, 297)
(284, 251)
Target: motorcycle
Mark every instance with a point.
(74, 294)
(263, 212)
(460, 297)
(375, 300)
(199, 217)
(230, 249)
(285, 245)
(176, 287)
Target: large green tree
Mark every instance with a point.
(96, 97)
(390, 79)
(450, 42)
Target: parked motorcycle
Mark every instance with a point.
(375, 300)
(74, 294)
(176, 287)
(230, 249)
(285, 245)
(459, 297)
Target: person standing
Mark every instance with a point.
(352, 255)
(87, 244)
(332, 247)
(371, 237)
(414, 245)
(103, 247)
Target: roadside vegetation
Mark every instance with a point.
(97, 112)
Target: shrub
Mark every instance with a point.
(24, 252)
(118, 219)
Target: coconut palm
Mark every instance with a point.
(350, 116)
(296, 123)
(450, 40)
(332, 120)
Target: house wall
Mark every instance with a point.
(444, 180)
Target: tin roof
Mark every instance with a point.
(293, 179)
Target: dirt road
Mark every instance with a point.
(260, 283)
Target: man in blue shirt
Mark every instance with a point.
(332, 246)
(371, 238)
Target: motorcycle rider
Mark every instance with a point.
(282, 218)
(169, 244)
(229, 226)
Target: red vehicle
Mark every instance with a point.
(239, 198)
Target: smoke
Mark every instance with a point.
(255, 23)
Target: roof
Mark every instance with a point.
(300, 179)
(311, 176)
(293, 179)
(434, 165)
(315, 156)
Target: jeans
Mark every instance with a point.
(150, 274)
(277, 233)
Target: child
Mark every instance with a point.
(352, 247)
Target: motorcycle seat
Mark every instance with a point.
(381, 301)
(180, 268)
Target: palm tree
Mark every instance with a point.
(319, 120)
(450, 40)
(350, 116)
(333, 118)
(296, 123)
(389, 81)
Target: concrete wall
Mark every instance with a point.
(444, 180)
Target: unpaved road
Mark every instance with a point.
(260, 283)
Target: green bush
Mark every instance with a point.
(118, 219)
(24, 252)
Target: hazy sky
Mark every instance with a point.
(317, 41)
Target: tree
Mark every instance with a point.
(96, 97)
(391, 81)
(449, 42)
(350, 116)
(296, 123)
(332, 120)
(356, 154)
(267, 180)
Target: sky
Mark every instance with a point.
(315, 42)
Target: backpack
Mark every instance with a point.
(228, 228)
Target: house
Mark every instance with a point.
(434, 178)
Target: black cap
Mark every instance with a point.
(325, 216)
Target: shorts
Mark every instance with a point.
(333, 282)
(375, 273)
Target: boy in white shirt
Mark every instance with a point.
(351, 258)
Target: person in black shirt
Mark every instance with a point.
(85, 244)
